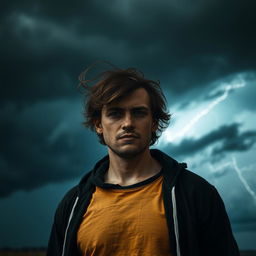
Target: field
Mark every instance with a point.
(23, 253)
(248, 253)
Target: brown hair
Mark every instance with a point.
(115, 84)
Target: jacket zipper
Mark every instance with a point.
(69, 220)
(175, 219)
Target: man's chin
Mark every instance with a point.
(128, 153)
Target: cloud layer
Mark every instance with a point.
(226, 138)
(42, 144)
(44, 47)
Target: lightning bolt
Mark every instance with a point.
(242, 179)
(236, 84)
(233, 164)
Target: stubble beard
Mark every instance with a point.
(129, 153)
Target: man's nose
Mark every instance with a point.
(128, 121)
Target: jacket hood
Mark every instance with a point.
(170, 167)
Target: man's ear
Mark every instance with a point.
(98, 126)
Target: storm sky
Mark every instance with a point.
(202, 52)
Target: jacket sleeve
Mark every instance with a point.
(56, 240)
(216, 237)
(55, 243)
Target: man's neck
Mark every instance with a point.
(126, 172)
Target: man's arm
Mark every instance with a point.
(56, 240)
(55, 243)
(216, 237)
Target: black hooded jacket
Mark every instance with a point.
(196, 217)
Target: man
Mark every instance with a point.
(137, 201)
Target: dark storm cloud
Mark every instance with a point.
(245, 99)
(45, 44)
(228, 138)
(236, 142)
(42, 144)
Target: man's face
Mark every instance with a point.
(127, 124)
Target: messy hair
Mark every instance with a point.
(112, 85)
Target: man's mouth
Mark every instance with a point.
(128, 136)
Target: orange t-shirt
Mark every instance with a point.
(125, 221)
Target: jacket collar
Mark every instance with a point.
(170, 168)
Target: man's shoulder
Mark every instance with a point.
(192, 178)
(197, 187)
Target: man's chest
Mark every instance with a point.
(123, 221)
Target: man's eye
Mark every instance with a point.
(140, 113)
(114, 114)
